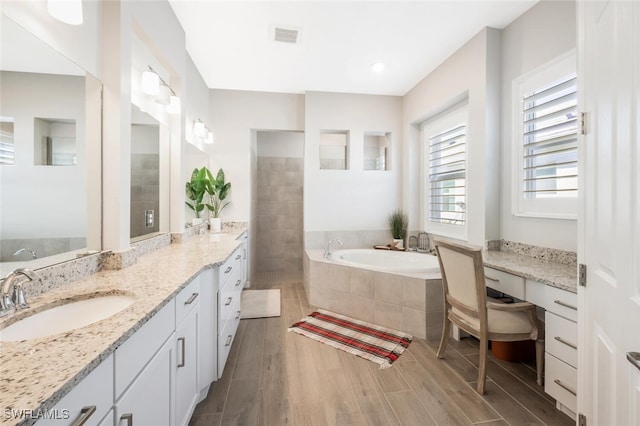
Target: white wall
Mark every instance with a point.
(234, 114)
(280, 144)
(545, 32)
(29, 192)
(470, 73)
(80, 43)
(354, 199)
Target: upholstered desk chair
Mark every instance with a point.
(466, 306)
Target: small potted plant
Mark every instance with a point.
(218, 191)
(195, 190)
(399, 223)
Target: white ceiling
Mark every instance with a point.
(230, 41)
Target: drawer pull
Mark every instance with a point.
(181, 340)
(237, 283)
(85, 413)
(566, 305)
(229, 339)
(128, 417)
(229, 268)
(565, 387)
(561, 340)
(238, 315)
(634, 358)
(492, 279)
(238, 257)
(228, 302)
(191, 299)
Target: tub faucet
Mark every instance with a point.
(327, 250)
(22, 250)
(9, 303)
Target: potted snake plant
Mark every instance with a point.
(399, 223)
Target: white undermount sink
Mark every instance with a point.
(67, 317)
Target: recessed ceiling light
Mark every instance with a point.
(378, 67)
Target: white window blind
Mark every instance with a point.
(447, 176)
(550, 140)
(7, 148)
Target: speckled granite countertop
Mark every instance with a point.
(37, 373)
(554, 274)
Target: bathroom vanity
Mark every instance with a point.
(150, 363)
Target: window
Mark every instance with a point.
(547, 136)
(445, 140)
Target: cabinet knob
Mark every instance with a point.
(85, 413)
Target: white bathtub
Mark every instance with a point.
(387, 260)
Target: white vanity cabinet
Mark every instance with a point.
(149, 399)
(89, 401)
(208, 331)
(561, 348)
(230, 282)
(187, 351)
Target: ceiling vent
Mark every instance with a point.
(286, 34)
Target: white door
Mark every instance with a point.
(609, 224)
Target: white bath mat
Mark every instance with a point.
(260, 303)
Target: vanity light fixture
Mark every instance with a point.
(209, 139)
(150, 83)
(198, 129)
(174, 106)
(67, 11)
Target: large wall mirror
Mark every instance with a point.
(50, 173)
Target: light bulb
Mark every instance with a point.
(67, 11)
(150, 83)
(198, 129)
(174, 105)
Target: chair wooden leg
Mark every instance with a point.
(446, 326)
(540, 361)
(482, 366)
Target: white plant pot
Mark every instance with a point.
(216, 224)
(196, 221)
(398, 243)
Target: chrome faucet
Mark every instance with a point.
(17, 300)
(22, 250)
(327, 250)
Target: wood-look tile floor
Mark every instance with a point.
(277, 378)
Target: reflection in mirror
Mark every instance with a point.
(145, 174)
(54, 142)
(7, 155)
(376, 150)
(333, 150)
(45, 211)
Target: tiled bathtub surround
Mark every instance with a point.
(411, 303)
(542, 253)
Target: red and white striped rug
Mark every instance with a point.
(375, 343)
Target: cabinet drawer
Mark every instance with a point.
(187, 299)
(228, 302)
(562, 338)
(229, 267)
(225, 340)
(562, 303)
(230, 311)
(561, 381)
(132, 356)
(505, 283)
(94, 392)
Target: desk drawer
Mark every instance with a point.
(562, 303)
(505, 283)
(562, 338)
(561, 381)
